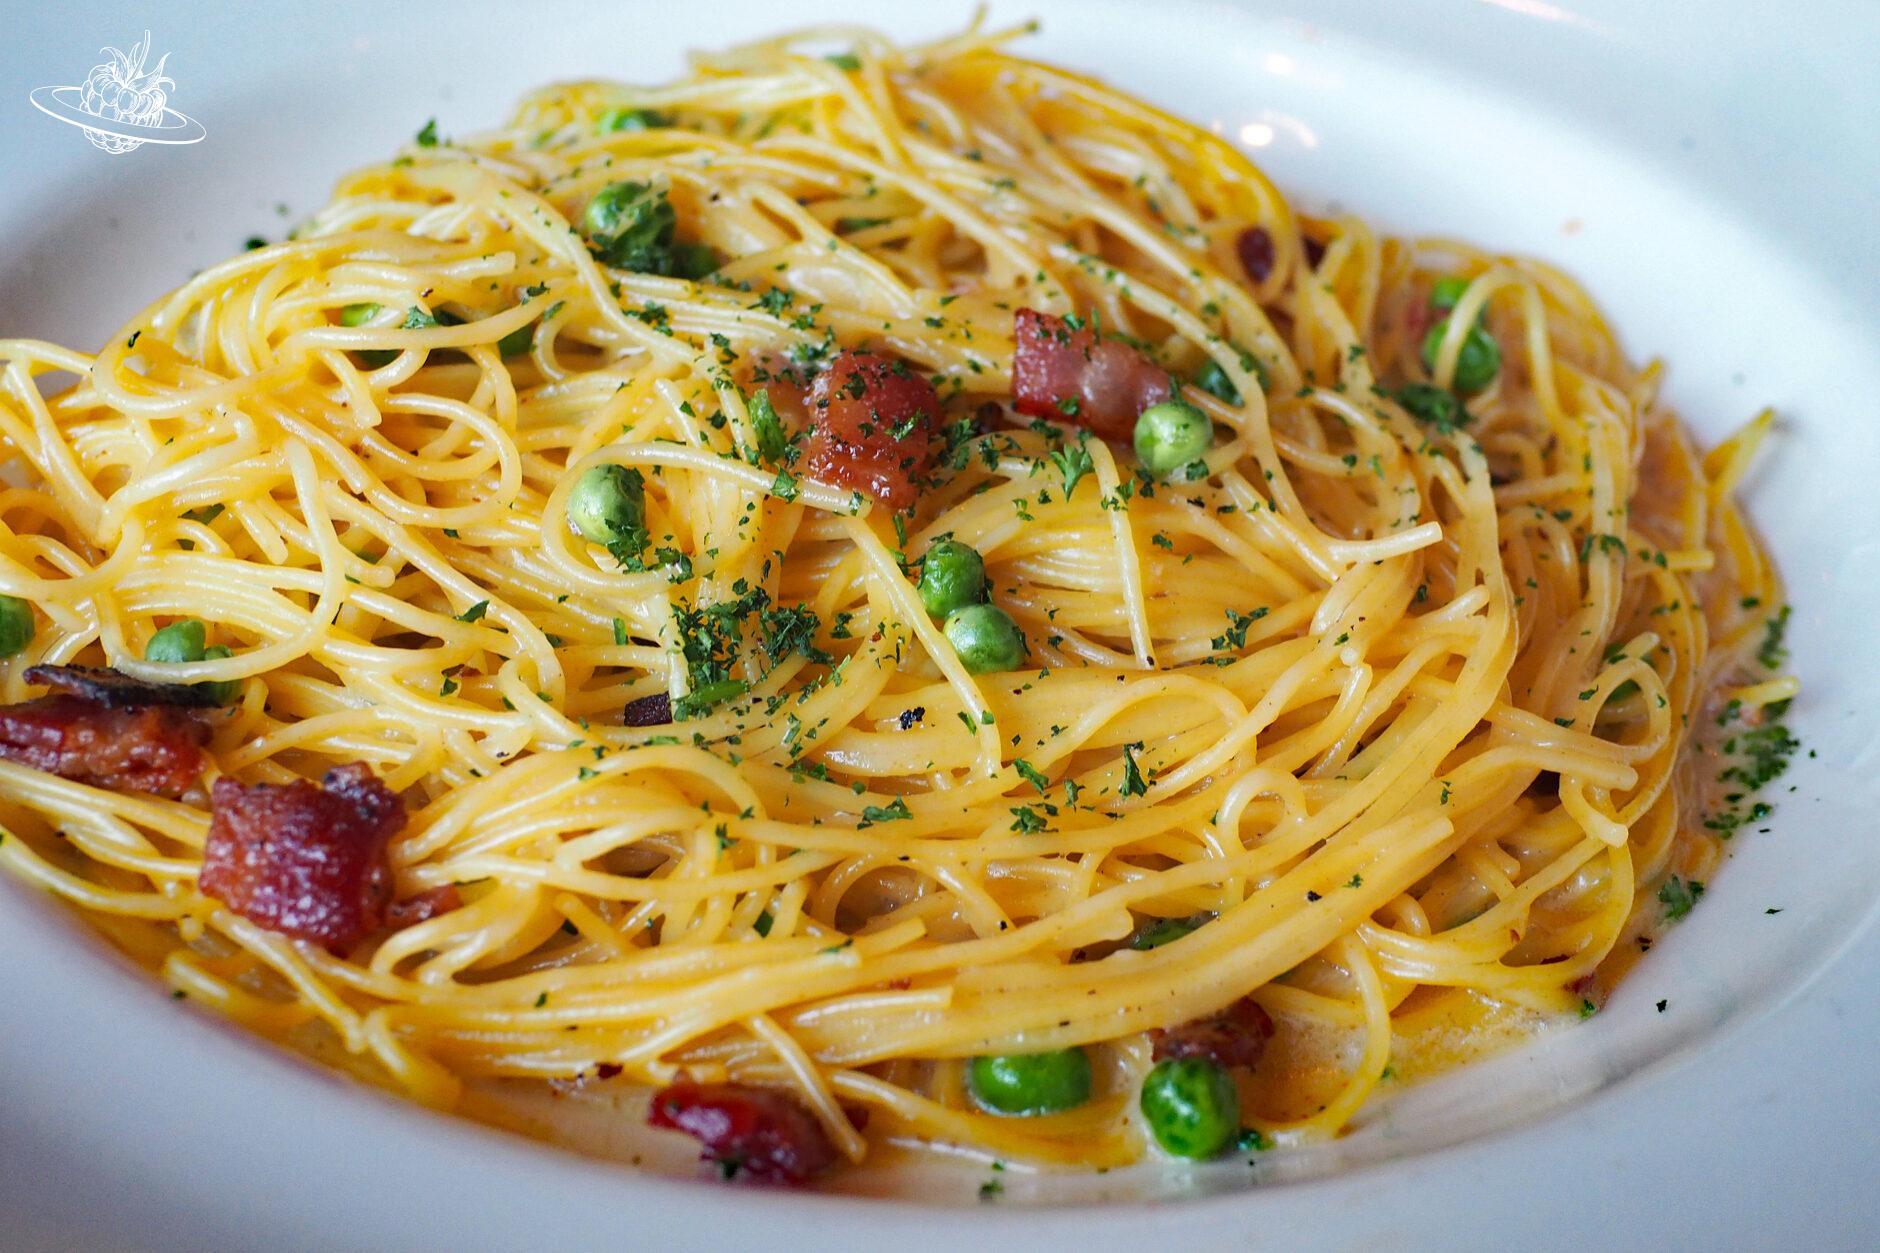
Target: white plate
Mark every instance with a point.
(1710, 173)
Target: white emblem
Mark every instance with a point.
(121, 105)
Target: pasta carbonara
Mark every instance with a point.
(882, 594)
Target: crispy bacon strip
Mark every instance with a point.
(767, 1135)
(153, 748)
(1067, 374)
(306, 861)
(871, 427)
(1236, 1036)
(105, 686)
(109, 730)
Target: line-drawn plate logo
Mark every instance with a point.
(121, 106)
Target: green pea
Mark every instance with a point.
(1030, 1083)
(177, 643)
(517, 341)
(1213, 380)
(986, 638)
(1191, 1106)
(1448, 291)
(224, 690)
(416, 319)
(1171, 435)
(359, 315)
(952, 576)
(181, 642)
(1428, 403)
(693, 261)
(16, 625)
(615, 120)
(1477, 363)
(630, 225)
(608, 506)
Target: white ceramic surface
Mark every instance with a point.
(1708, 169)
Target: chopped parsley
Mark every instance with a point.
(1236, 634)
(1773, 652)
(1031, 774)
(894, 812)
(1133, 784)
(1678, 895)
(1073, 462)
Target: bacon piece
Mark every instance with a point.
(306, 861)
(1236, 1036)
(1069, 375)
(423, 907)
(871, 427)
(648, 711)
(153, 748)
(113, 690)
(766, 1134)
(1255, 247)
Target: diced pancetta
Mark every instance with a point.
(1065, 372)
(308, 862)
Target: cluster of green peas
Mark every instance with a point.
(181, 642)
(953, 588)
(1190, 1104)
(607, 506)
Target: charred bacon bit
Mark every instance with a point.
(154, 748)
(308, 862)
(423, 907)
(113, 690)
(767, 1135)
(1065, 373)
(1236, 1036)
(1255, 247)
(648, 711)
(871, 427)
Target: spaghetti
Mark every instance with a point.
(1372, 712)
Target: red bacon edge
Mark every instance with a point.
(305, 861)
(759, 1132)
(138, 738)
(1237, 1036)
(1067, 374)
